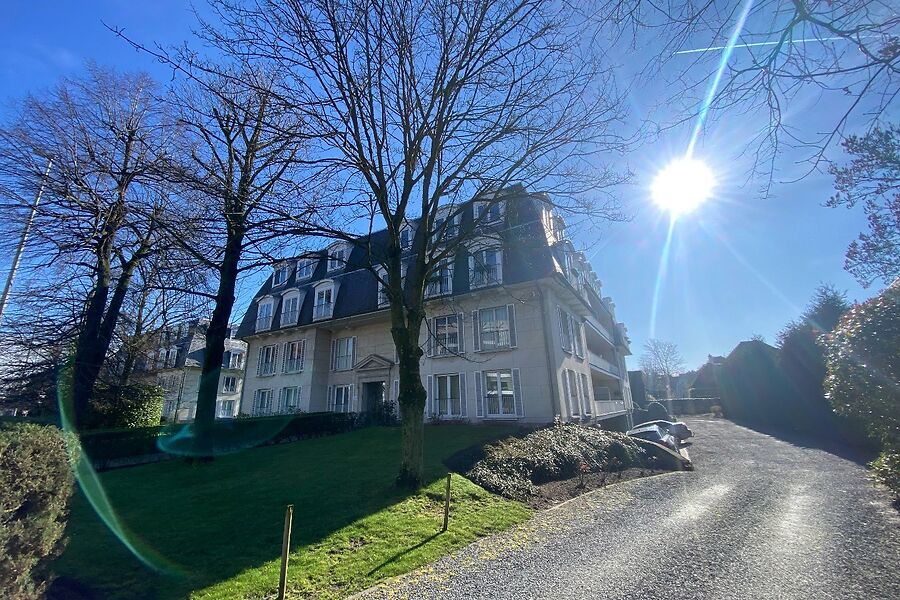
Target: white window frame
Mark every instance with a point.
(336, 263)
(284, 405)
(262, 402)
(496, 377)
(264, 322)
(322, 309)
(225, 409)
(229, 389)
(282, 268)
(450, 223)
(171, 357)
(290, 317)
(236, 360)
(440, 282)
(586, 392)
(496, 333)
(381, 283)
(480, 207)
(340, 361)
(304, 265)
(294, 355)
(444, 347)
(442, 383)
(267, 368)
(483, 274)
(564, 321)
(572, 389)
(346, 391)
(406, 237)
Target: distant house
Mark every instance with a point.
(638, 388)
(176, 363)
(751, 385)
(706, 381)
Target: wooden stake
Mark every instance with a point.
(285, 549)
(447, 505)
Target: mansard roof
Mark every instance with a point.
(527, 257)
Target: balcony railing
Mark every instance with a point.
(484, 275)
(439, 285)
(604, 365)
(323, 311)
(605, 407)
(264, 323)
(290, 317)
(292, 365)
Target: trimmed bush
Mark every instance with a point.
(35, 485)
(514, 466)
(114, 407)
(886, 469)
(657, 412)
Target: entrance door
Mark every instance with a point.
(373, 395)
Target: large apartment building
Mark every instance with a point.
(517, 327)
(176, 363)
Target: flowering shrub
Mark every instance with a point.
(513, 466)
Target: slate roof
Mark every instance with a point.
(527, 256)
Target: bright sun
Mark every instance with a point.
(683, 185)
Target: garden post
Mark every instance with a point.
(285, 548)
(447, 504)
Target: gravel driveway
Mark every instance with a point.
(759, 518)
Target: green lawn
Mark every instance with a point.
(215, 529)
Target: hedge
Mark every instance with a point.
(107, 447)
(36, 482)
(126, 406)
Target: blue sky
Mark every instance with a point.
(745, 263)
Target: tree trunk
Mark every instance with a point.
(85, 369)
(412, 404)
(216, 334)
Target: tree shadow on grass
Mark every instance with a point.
(403, 553)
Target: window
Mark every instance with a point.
(264, 315)
(323, 307)
(282, 272)
(305, 268)
(340, 401)
(172, 357)
(381, 282)
(565, 329)
(572, 388)
(229, 384)
(586, 393)
(446, 335)
(448, 396)
(236, 361)
(290, 310)
(226, 409)
(161, 358)
(289, 399)
(486, 267)
(406, 235)
(337, 258)
(487, 212)
(293, 356)
(579, 342)
(440, 282)
(494, 328)
(499, 396)
(262, 403)
(342, 354)
(266, 365)
(450, 226)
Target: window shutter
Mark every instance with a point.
(274, 358)
(576, 336)
(461, 333)
(479, 395)
(517, 393)
(397, 391)
(259, 365)
(499, 266)
(511, 316)
(285, 357)
(462, 395)
(281, 400)
(476, 331)
(571, 324)
(431, 402)
(580, 394)
(254, 409)
(432, 334)
(302, 353)
(330, 398)
(333, 353)
(471, 271)
(352, 403)
(565, 376)
(561, 322)
(353, 351)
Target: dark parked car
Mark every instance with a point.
(679, 429)
(654, 433)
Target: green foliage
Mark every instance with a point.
(657, 412)
(35, 484)
(886, 469)
(513, 466)
(126, 406)
(863, 360)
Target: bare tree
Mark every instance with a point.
(106, 135)
(662, 360)
(418, 106)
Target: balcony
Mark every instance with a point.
(602, 331)
(323, 310)
(484, 275)
(264, 323)
(600, 363)
(608, 407)
(290, 317)
(440, 285)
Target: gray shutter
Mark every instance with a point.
(352, 403)
(302, 354)
(461, 332)
(565, 377)
(479, 395)
(353, 352)
(333, 353)
(580, 394)
(259, 364)
(284, 358)
(462, 395)
(275, 359)
(252, 408)
(430, 398)
(517, 392)
(330, 401)
(397, 391)
(511, 321)
(561, 322)
(476, 331)
(280, 398)
(431, 332)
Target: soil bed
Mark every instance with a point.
(555, 492)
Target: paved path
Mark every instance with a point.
(759, 518)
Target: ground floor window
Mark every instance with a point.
(229, 384)
(572, 385)
(262, 403)
(341, 398)
(226, 409)
(499, 393)
(289, 399)
(586, 392)
(448, 396)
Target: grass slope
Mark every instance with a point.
(220, 524)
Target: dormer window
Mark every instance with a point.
(282, 272)
(381, 282)
(487, 212)
(323, 307)
(485, 267)
(440, 283)
(446, 227)
(406, 236)
(264, 312)
(290, 308)
(305, 268)
(337, 257)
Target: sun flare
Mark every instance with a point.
(683, 185)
